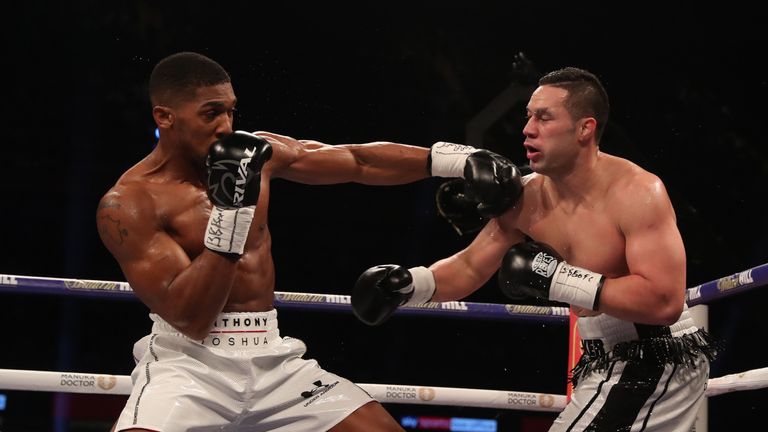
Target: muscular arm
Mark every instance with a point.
(188, 294)
(376, 163)
(466, 271)
(654, 290)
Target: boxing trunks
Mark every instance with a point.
(635, 377)
(242, 377)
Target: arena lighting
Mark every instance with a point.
(453, 424)
(2, 402)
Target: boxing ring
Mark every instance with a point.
(93, 382)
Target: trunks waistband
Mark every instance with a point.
(232, 329)
(657, 350)
(611, 330)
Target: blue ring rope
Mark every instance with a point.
(704, 293)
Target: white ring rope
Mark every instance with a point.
(76, 382)
(72, 382)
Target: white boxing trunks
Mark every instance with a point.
(634, 377)
(242, 377)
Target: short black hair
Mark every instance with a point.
(586, 95)
(179, 75)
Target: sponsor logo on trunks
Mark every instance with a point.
(8, 280)
(735, 281)
(544, 264)
(319, 390)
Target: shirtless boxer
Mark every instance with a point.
(599, 233)
(188, 227)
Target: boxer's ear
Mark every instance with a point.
(586, 128)
(163, 116)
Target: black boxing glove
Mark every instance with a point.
(534, 269)
(234, 166)
(380, 290)
(458, 207)
(492, 180)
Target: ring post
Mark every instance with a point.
(700, 314)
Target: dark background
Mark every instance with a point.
(688, 97)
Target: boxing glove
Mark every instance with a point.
(381, 289)
(534, 269)
(458, 207)
(492, 180)
(234, 165)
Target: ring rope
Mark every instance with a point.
(293, 300)
(715, 289)
(71, 382)
(728, 285)
(75, 382)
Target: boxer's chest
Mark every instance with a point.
(184, 216)
(586, 237)
(184, 213)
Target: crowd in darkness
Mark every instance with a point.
(688, 103)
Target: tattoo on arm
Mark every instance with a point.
(109, 204)
(111, 229)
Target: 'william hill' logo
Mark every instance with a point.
(8, 280)
(735, 281)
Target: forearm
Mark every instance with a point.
(466, 271)
(455, 279)
(637, 299)
(386, 163)
(197, 295)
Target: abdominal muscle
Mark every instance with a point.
(254, 286)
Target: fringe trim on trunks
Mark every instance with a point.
(681, 350)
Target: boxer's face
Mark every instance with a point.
(208, 116)
(550, 133)
(197, 120)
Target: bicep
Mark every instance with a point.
(149, 258)
(654, 246)
(310, 162)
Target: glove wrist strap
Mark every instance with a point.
(423, 286)
(227, 229)
(576, 286)
(448, 159)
